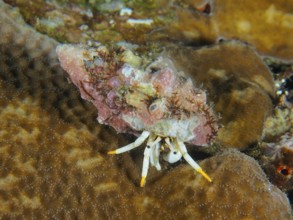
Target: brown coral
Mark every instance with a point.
(49, 169)
(265, 24)
(237, 178)
(29, 62)
(277, 161)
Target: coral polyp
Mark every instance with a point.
(142, 94)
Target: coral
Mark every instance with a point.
(52, 19)
(284, 84)
(237, 87)
(82, 21)
(29, 62)
(280, 122)
(265, 24)
(49, 167)
(253, 22)
(50, 170)
(237, 178)
(277, 161)
(52, 160)
(276, 147)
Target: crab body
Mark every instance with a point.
(142, 94)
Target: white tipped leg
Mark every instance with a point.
(189, 160)
(155, 151)
(145, 165)
(149, 156)
(157, 156)
(144, 135)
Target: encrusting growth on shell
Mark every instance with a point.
(136, 94)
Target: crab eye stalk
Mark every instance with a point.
(153, 107)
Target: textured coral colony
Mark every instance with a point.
(204, 83)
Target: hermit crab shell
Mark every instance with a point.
(134, 92)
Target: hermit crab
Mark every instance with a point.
(145, 95)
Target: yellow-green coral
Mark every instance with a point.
(280, 122)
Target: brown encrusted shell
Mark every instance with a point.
(109, 76)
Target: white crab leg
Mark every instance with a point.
(145, 165)
(156, 157)
(144, 135)
(189, 159)
(150, 144)
(148, 157)
(153, 144)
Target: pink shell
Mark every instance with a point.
(158, 97)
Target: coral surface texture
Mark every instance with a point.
(80, 79)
